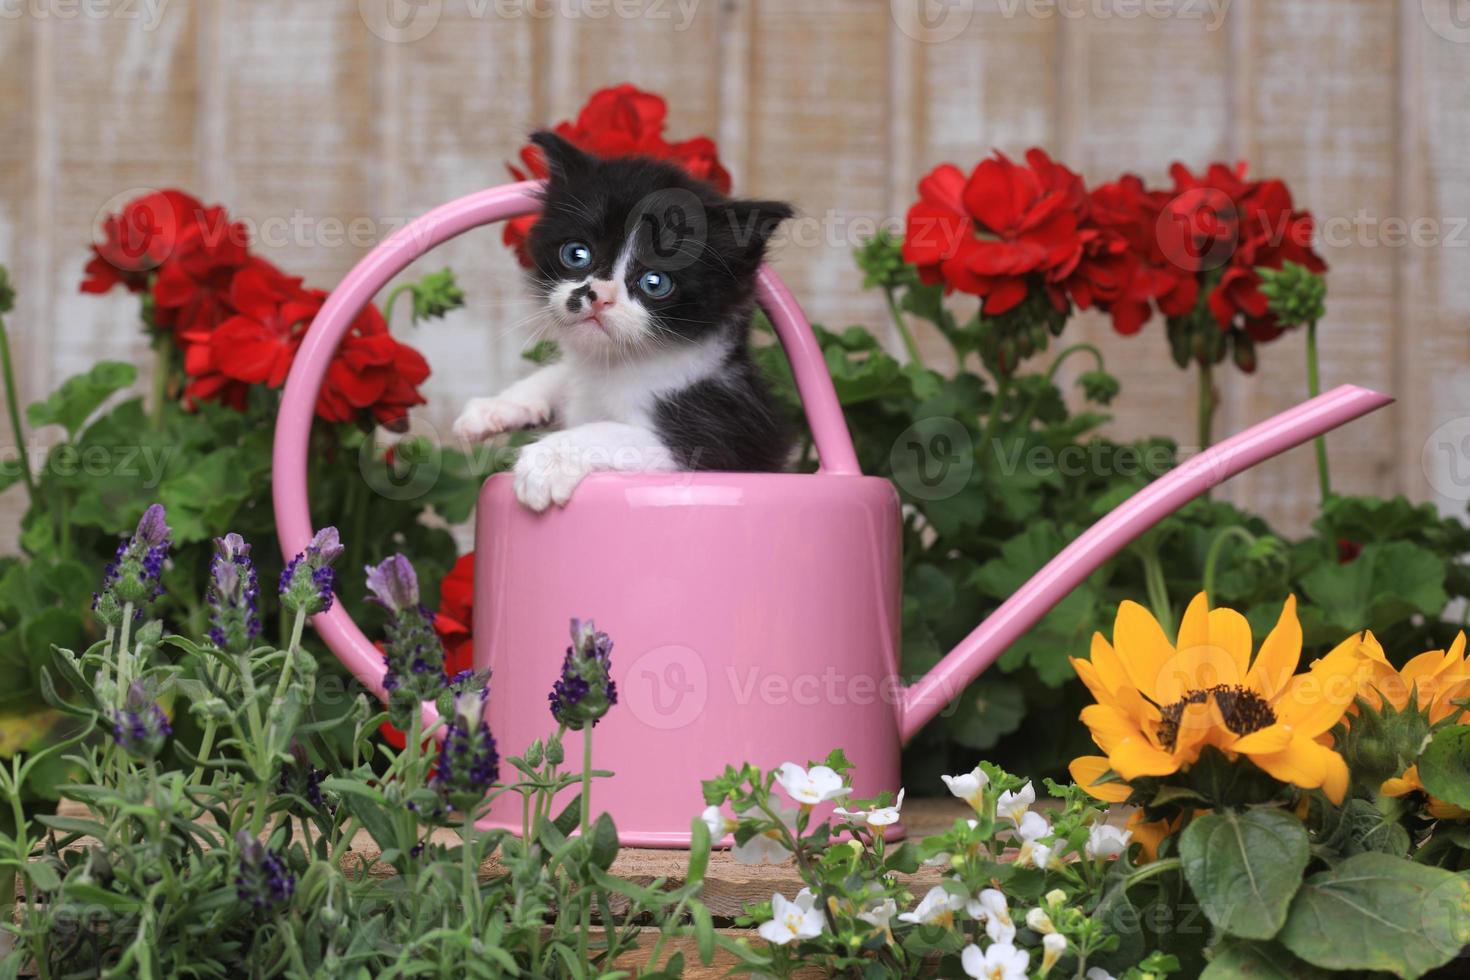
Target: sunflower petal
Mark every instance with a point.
(1313, 702)
(1194, 628)
(1272, 738)
(1087, 769)
(1142, 646)
(1230, 632)
(1129, 751)
(1297, 764)
(1279, 655)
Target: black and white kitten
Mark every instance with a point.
(648, 280)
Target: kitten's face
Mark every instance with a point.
(632, 257)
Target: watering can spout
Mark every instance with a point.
(926, 698)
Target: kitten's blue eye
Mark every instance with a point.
(656, 285)
(576, 255)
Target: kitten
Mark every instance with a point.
(648, 281)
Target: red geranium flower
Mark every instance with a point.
(991, 233)
(138, 240)
(193, 283)
(616, 122)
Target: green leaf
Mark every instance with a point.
(1379, 912)
(43, 874)
(1238, 959)
(604, 846)
(1444, 766)
(1386, 584)
(704, 931)
(566, 821)
(699, 845)
(1244, 867)
(78, 397)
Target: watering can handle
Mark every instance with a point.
(1058, 577)
(392, 256)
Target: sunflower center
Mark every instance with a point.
(1243, 711)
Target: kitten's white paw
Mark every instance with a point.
(548, 471)
(486, 417)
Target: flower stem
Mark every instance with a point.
(12, 405)
(997, 409)
(910, 345)
(291, 650)
(162, 365)
(1314, 388)
(1206, 421)
(392, 297)
(1051, 374)
(586, 837)
(1158, 590)
(1212, 557)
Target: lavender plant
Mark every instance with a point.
(258, 848)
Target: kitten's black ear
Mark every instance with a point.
(754, 222)
(563, 160)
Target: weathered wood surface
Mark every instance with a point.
(309, 124)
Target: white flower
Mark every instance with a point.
(1055, 898)
(939, 860)
(991, 908)
(936, 906)
(1106, 841)
(810, 786)
(1098, 973)
(719, 825)
(1013, 806)
(1032, 853)
(1001, 961)
(767, 847)
(1053, 945)
(1038, 921)
(880, 816)
(799, 919)
(880, 914)
(970, 787)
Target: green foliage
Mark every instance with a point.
(1244, 867)
(211, 468)
(235, 856)
(998, 469)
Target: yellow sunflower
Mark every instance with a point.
(1160, 703)
(1409, 783)
(1434, 680)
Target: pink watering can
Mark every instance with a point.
(755, 617)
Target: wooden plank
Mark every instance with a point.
(1433, 373)
(817, 123)
(1123, 114)
(22, 239)
(984, 79)
(123, 100)
(1323, 110)
(299, 109)
(449, 124)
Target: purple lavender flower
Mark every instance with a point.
(468, 761)
(393, 585)
(475, 682)
(233, 595)
(412, 652)
(262, 879)
(302, 779)
(585, 691)
(308, 579)
(135, 573)
(141, 727)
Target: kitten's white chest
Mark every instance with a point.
(629, 391)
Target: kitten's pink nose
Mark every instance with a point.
(604, 294)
